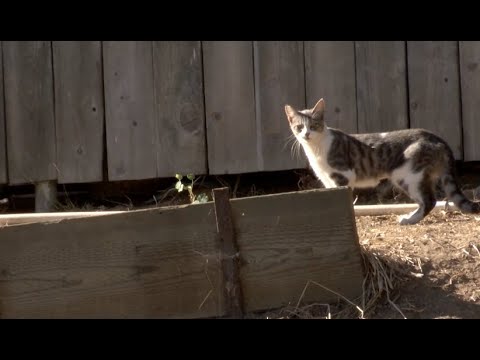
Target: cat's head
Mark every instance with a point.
(306, 124)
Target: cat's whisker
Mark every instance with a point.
(295, 150)
(290, 139)
(292, 151)
(299, 150)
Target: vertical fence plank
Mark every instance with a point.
(79, 110)
(330, 74)
(435, 90)
(129, 110)
(381, 86)
(29, 111)
(3, 146)
(180, 114)
(230, 107)
(279, 80)
(470, 85)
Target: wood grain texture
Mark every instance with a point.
(279, 80)
(180, 111)
(285, 240)
(165, 262)
(29, 110)
(79, 110)
(141, 264)
(130, 110)
(470, 88)
(434, 90)
(230, 107)
(229, 254)
(381, 86)
(3, 145)
(330, 74)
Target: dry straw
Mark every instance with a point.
(385, 272)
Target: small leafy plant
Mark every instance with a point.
(180, 186)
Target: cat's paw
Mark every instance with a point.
(409, 219)
(404, 220)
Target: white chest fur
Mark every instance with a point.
(317, 154)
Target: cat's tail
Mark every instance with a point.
(452, 189)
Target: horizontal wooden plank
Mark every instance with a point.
(164, 262)
(289, 239)
(141, 264)
(50, 217)
(398, 209)
(360, 210)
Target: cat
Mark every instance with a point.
(414, 160)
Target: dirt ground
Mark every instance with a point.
(443, 253)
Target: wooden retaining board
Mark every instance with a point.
(164, 262)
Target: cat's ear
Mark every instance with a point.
(318, 109)
(291, 112)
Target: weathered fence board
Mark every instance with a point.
(165, 262)
(330, 74)
(470, 82)
(141, 264)
(287, 241)
(434, 90)
(130, 110)
(230, 107)
(79, 110)
(180, 111)
(3, 145)
(29, 110)
(381, 86)
(279, 80)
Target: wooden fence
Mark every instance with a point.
(150, 109)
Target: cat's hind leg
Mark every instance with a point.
(419, 187)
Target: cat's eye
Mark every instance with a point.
(313, 127)
(299, 128)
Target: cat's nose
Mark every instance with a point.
(306, 136)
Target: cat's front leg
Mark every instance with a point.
(327, 182)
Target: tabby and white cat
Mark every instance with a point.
(412, 159)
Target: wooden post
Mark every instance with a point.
(45, 196)
(3, 201)
(229, 254)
